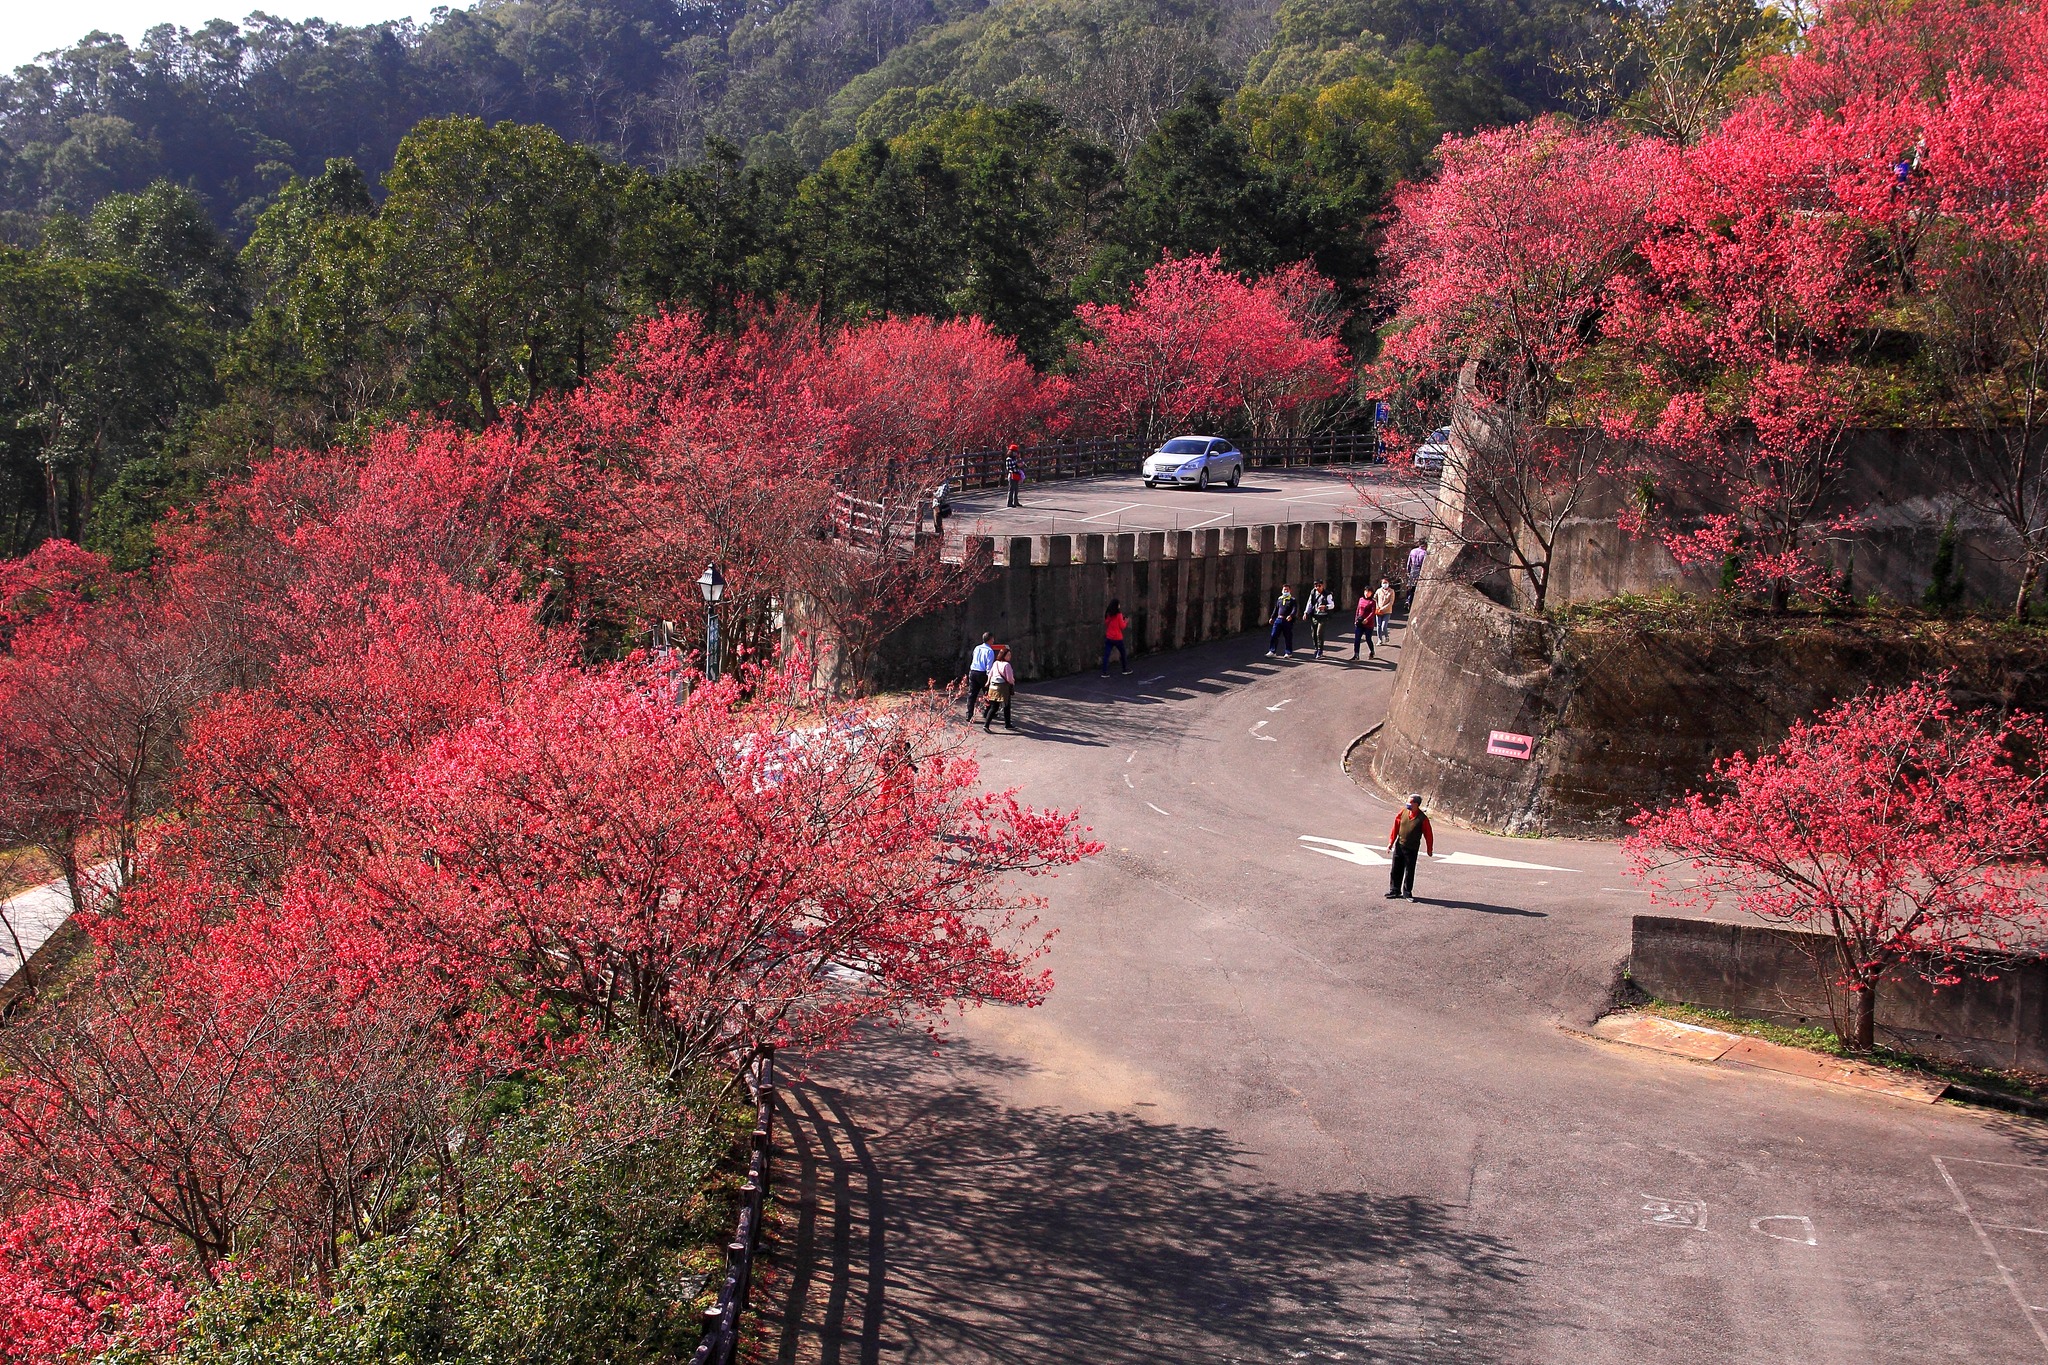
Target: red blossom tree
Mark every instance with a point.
(74, 1281)
(1500, 270)
(1901, 827)
(914, 392)
(1198, 345)
(1758, 288)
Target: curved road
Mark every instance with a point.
(1270, 1115)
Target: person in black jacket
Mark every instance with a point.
(1283, 624)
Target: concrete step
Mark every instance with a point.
(1720, 1048)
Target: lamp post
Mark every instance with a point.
(711, 587)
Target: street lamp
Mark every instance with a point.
(711, 587)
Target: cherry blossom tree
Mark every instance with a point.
(1906, 830)
(913, 392)
(1198, 345)
(1499, 272)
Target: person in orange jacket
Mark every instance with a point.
(1411, 834)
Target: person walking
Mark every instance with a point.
(1363, 623)
(1383, 607)
(977, 672)
(1013, 475)
(1113, 624)
(1411, 834)
(1320, 606)
(1002, 685)
(1415, 558)
(1283, 624)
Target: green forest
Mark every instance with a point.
(220, 241)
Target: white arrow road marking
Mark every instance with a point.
(1481, 860)
(1362, 854)
(1268, 738)
(1277, 705)
(1366, 855)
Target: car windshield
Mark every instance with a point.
(1183, 445)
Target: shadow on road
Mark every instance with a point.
(1483, 909)
(940, 1224)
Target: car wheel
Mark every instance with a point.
(1150, 484)
(1202, 480)
(1236, 474)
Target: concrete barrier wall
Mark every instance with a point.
(1047, 594)
(1785, 977)
(1625, 716)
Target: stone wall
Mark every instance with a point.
(1897, 485)
(1046, 595)
(1786, 977)
(1633, 710)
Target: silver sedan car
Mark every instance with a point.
(1194, 461)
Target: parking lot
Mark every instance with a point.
(1113, 506)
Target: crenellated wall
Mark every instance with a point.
(1046, 595)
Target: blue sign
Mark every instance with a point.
(1379, 413)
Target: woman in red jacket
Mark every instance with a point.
(1113, 623)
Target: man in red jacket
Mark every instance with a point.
(1411, 834)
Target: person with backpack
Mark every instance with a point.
(1114, 623)
(1320, 606)
(1411, 834)
(1002, 685)
(1283, 624)
(1013, 476)
(1363, 622)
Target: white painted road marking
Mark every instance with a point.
(1366, 855)
(1268, 738)
(1984, 1240)
(1688, 1214)
(1114, 511)
(1803, 1235)
(1277, 705)
(1167, 813)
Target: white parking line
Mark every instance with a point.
(1112, 511)
(1984, 1239)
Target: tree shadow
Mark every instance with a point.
(968, 1229)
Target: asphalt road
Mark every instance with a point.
(1269, 1115)
(1112, 506)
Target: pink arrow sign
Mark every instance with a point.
(1505, 744)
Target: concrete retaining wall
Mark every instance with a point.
(1047, 594)
(1626, 714)
(1899, 487)
(1785, 977)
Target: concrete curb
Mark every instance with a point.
(1716, 1047)
(1353, 747)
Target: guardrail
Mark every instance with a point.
(1092, 458)
(721, 1341)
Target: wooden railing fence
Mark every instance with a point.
(721, 1341)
